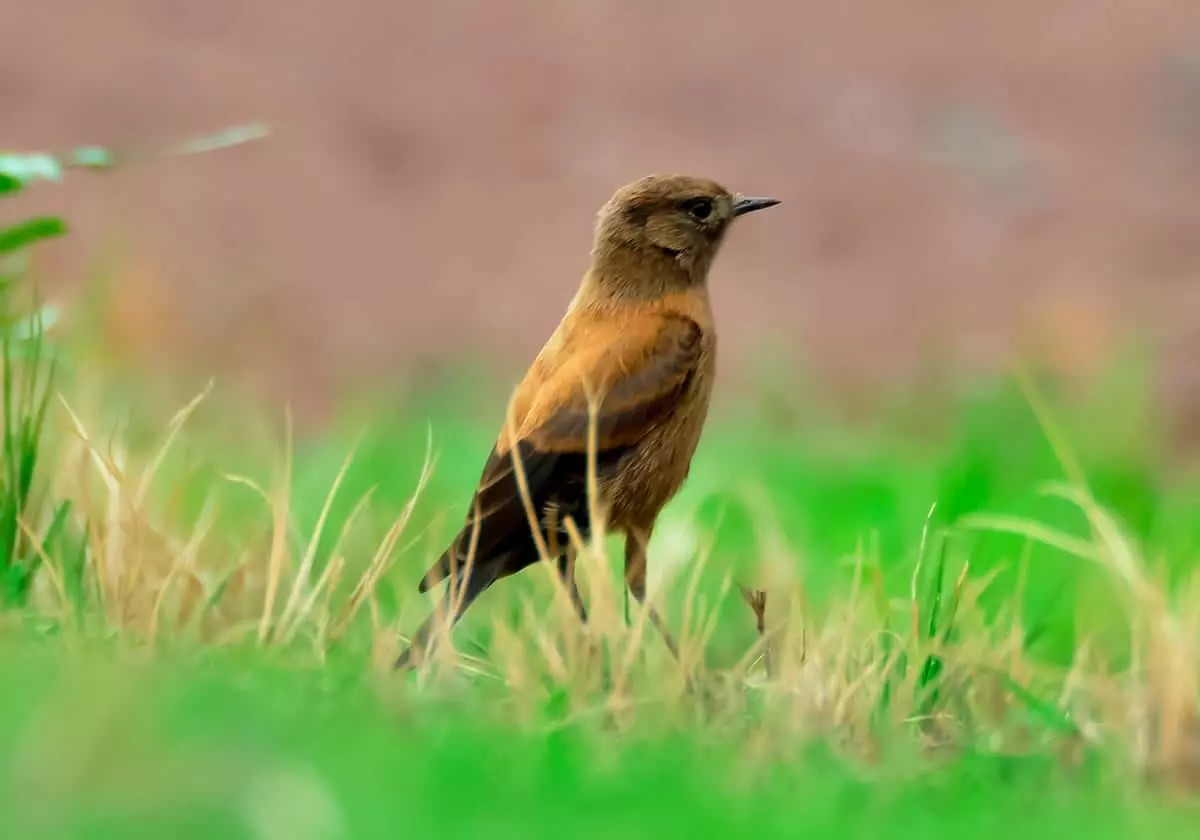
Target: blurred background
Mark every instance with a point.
(960, 180)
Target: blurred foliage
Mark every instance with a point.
(32, 527)
(29, 525)
(228, 747)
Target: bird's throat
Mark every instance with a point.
(625, 273)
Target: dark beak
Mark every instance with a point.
(748, 204)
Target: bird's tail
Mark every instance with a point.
(454, 603)
(458, 559)
(419, 644)
(437, 573)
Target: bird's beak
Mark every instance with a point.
(743, 204)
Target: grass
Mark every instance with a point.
(967, 630)
(254, 749)
(974, 612)
(191, 751)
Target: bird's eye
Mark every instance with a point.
(699, 208)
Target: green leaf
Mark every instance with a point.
(33, 325)
(20, 576)
(92, 157)
(9, 183)
(26, 168)
(24, 233)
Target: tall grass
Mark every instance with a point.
(33, 525)
(932, 672)
(30, 524)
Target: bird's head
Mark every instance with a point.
(678, 217)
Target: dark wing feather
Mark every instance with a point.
(554, 455)
(644, 394)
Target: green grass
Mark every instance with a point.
(197, 747)
(113, 725)
(828, 494)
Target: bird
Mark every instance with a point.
(630, 368)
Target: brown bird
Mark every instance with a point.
(638, 338)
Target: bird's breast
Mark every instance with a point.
(656, 467)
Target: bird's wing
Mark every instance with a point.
(637, 376)
(638, 373)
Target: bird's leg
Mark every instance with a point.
(756, 599)
(566, 568)
(635, 578)
(564, 559)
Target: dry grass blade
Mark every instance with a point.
(183, 562)
(301, 612)
(1031, 530)
(48, 565)
(174, 427)
(310, 554)
(280, 508)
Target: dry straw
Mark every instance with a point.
(863, 670)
